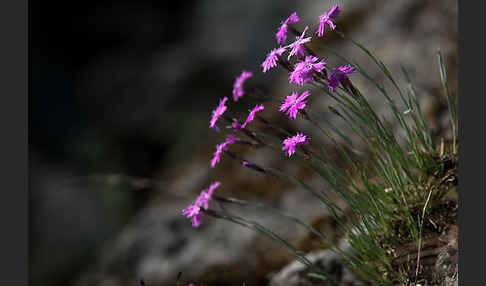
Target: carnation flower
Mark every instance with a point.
(338, 75)
(271, 60)
(291, 143)
(204, 197)
(326, 19)
(293, 103)
(302, 72)
(218, 112)
(230, 139)
(235, 125)
(282, 32)
(297, 46)
(238, 85)
(193, 211)
(251, 116)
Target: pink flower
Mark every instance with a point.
(230, 139)
(303, 70)
(297, 46)
(326, 19)
(204, 197)
(216, 156)
(293, 103)
(238, 85)
(271, 60)
(236, 125)
(251, 116)
(291, 143)
(338, 75)
(282, 32)
(299, 76)
(218, 112)
(194, 213)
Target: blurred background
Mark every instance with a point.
(121, 95)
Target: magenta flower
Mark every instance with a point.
(204, 197)
(326, 19)
(297, 46)
(299, 76)
(236, 125)
(217, 113)
(271, 60)
(338, 75)
(194, 213)
(203, 200)
(303, 70)
(217, 155)
(251, 116)
(230, 139)
(238, 85)
(293, 103)
(282, 32)
(291, 143)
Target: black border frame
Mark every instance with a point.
(471, 197)
(14, 123)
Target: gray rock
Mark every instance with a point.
(159, 242)
(297, 274)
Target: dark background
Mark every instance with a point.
(117, 87)
(124, 89)
(70, 41)
(86, 123)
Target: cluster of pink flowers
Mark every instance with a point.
(303, 70)
(193, 211)
(306, 69)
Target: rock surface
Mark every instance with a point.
(296, 274)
